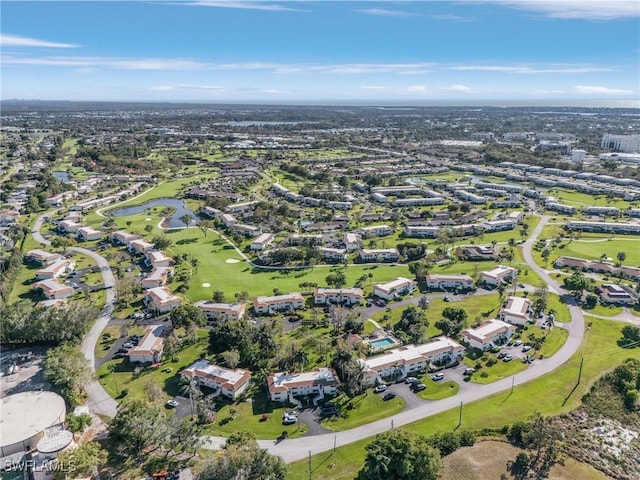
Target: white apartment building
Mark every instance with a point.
(69, 226)
(410, 359)
(395, 288)
(349, 296)
(419, 231)
(161, 300)
(278, 303)
(604, 227)
(375, 231)
(500, 274)
(55, 270)
(246, 230)
(621, 143)
(140, 246)
(449, 282)
(379, 255)
(490, 333)
(121, 237)
(285, 386)
(226, 382)
(52, 289)
(262, 241)
(351, 241)
(41, 257)
(157, 258)
(150, 347)
(516, 310)
(157, 277)
(617, 294)
(333, 254)
(222, 311)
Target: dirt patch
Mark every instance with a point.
(488, 460)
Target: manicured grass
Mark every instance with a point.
(554, 340)
(366, 408)
(248, 417)
(578, 199)
(604, 310)
(438, 390)
(551, 394)
(594, 249)
(103, 345)
(498, 371)
(554, 302)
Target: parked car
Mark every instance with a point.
(119, 355)
(526, 348)
(171, 403)
(437, 377)
(127, 345)
(411, 380)
(289, 420)
(507, 358)
(389, 396)
(418, 387)
(369, 304)
(446, 298)
(468, 371)
(517, 343)
(502, 354)
(544, 325)
(123, 351)
(380, 388)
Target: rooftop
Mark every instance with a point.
(26, 414)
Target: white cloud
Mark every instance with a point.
(457, 88)
(383, 12)
(547, 92)
(107, 62)
(578, 9)
(417, 88)
(248, 5)
(598, 90)
(185, 86)
(526, 70)
(7, 40)
(453, 18)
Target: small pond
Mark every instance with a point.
(174, 203)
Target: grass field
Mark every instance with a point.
(551, 394)
(437, 390)
(487, 460)
(365, 408)
(604, 310)
(594, 249)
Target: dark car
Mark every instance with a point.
(123, 350)
(418, 387)
(119, 355)
(389, 396)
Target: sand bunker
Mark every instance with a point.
(232, 260)
(206, 285)
(148, 219)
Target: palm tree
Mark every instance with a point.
(186, 219)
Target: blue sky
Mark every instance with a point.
(527, 51)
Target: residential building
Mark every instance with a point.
(150, 348)
(121, 237)
(491, 333)
(418, 231)
(68, 226)
(246, 230)
(621, 143)
(379, 255)
(222, 311)
(262, 241)
(480, 252)
(351, 241)
(227, 219)
(226, 382)
(617, 294)
(278, 303)
(310, 239)
(601, 211)
(333, 254)
(41, 257)
(418, 201)
(516, 310)
(157, 277)
(499, 225)
(157, 258)
(449, 282)
(375, 231)
(161, 300)
(604, 227)
(285, 386)
(340, 205)
(140, 246)
(498, 275)
(55, 303)
(87, 234)
(52, 289)
(55, 270)
(395, 288)
(560, 208)
(349, 296)
(410, 359)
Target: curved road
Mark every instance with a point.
(99, 400)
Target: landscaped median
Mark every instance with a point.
(437, 390)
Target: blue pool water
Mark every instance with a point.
(381, 343)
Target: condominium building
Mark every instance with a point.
(262, 241)
(395, 288)
(150, 347)
(491, 333)
(68, 226)
(449, 282)
(140, 246)
(379, 255)
(52, 289)
(516, 310)
(621, 143)
(375, 231)
(121, 237)
(222, 311)
(157, 258)
(86, 234)
(278, 303)
(618, 294)
(349, 296)
(157, 277)
(498, 275)
(285, 386)
(224, 381)
(41, 257)
(55, 270)
(333, 254)
(161, 300)
(604, 227)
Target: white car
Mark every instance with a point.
(526, 348)
(289, 420)
(437, 376)
(517, 343)
(380, 388)
(172, 403)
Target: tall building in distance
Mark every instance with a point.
(621, 143)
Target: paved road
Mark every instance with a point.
(99, 400)
(296, 449)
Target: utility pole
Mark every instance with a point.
(309, 464)
(335, 439)
(460, 415)
(513, 382)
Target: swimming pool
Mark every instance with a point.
(382, 343)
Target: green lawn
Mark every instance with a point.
(249, 417)
(437, 390)
(498, 371)
(551, 394)
(604, 310)
(594, 249)
(365, 408)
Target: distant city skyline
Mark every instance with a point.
(500, 52)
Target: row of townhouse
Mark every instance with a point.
(601, 211)
(221, 311)
(374, 231)
(560, 208)
(516, 310)
(380, 255)
(278, 303)
(630, 273)
(338, 296)
(410, 359)
(603, 227)
(150, 347)
(54, 266)
(617, 294)
(161, 300)
(262, 241)
(508, 223)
